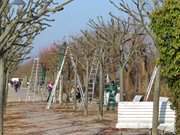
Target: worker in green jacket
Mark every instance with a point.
(112, 89)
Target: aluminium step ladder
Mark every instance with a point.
(59, 74)
(149, 88)
(32, 92)
(78, 79)
(93, 77)
(53, 93)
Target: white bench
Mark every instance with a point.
(140, 114)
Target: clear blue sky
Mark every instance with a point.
(71, 20)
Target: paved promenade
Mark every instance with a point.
(32, 118)
(22, 95)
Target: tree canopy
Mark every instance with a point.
(166, 26)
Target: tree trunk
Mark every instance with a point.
(5, 87)
(2, 77)
(86, 88)
(121, 84)
(155, 121)
(101, 91)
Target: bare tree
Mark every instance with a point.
(140, 11)
(96, 45)
(119, 38)
(85, 50)
(17, 30)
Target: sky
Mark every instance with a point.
(71, 20)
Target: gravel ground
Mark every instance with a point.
(31, 118)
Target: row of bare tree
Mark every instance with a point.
(125, 53)
(127, 45)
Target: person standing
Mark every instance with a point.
(49, 87)
(112, 89)
(78, 94)
(16, 86)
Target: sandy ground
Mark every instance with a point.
(31, 118)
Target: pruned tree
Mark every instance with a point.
(120, 39)
(18, 27)
(96, 50)
(140, 11)
(85, 49)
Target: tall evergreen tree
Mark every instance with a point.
(165, 23)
